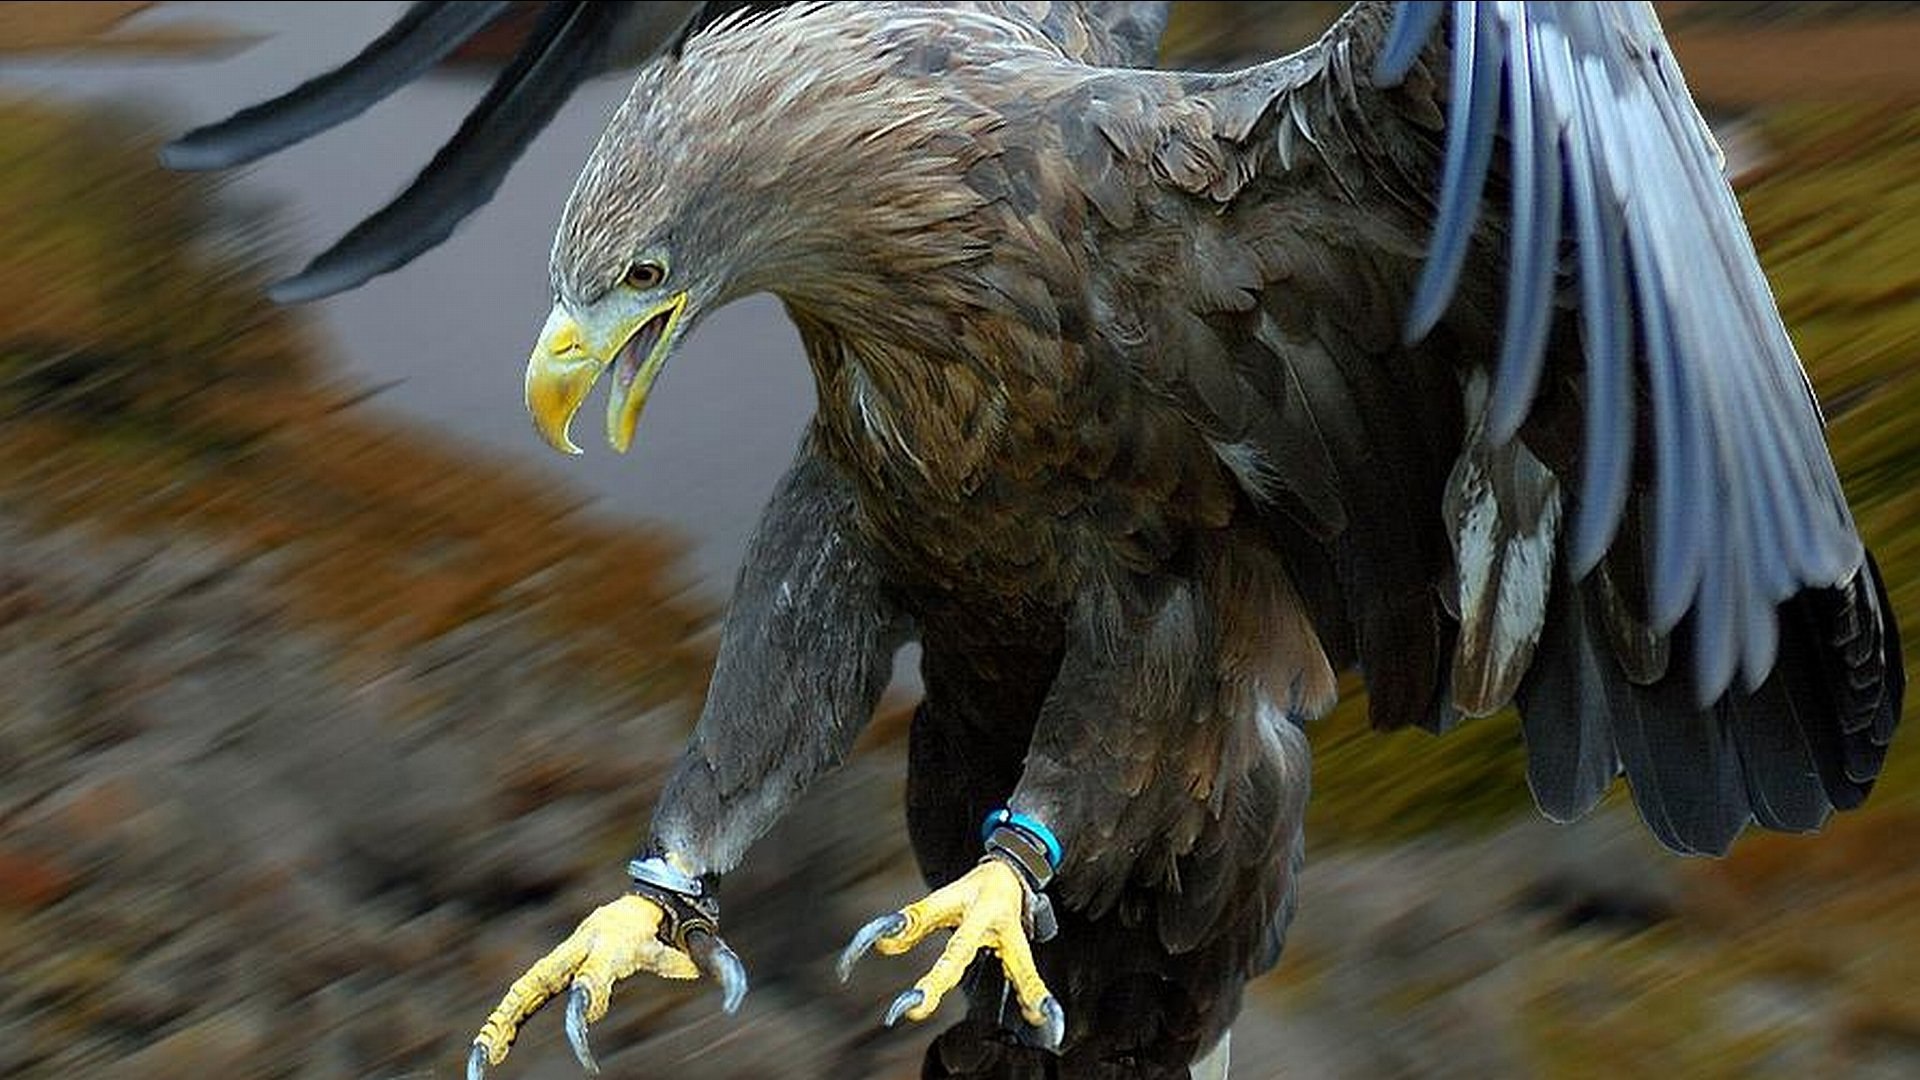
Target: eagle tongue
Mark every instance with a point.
(635, 352)
(634, 369)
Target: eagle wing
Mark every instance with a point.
(1491, 287)
(570, 42)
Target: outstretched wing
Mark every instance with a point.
(1732, 525)
(1643, 541)
(570, 42)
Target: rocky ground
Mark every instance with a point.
(234, 847)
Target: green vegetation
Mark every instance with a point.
(1371, 787)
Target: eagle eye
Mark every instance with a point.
(645, 275)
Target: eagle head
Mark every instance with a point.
(792, 156)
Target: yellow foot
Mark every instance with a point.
(986, 909)
(613, 942)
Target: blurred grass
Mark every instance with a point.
(58, 27)
(1794, 956)
(147, 385)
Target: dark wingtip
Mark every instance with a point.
(193, 153)
(424, 35)
(316, 282)
(379, 245)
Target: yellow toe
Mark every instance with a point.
(614, 941)
(985, 909)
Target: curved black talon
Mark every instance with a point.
(712, 956)
(1054, 1031)
(477, 1063)
(884, 926)
(908, 999)
(577, 1029)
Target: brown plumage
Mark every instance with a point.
(1148, 400)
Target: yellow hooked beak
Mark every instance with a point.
(569, 359)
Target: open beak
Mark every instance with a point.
(568, 361)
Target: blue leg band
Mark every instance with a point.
(1028, 826)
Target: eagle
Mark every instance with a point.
(1148, 402)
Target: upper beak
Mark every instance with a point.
(570, 357)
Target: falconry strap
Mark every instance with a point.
(687, 904)
(1024, 843)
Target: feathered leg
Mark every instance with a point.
(1175, 779)
(1134, 1006)
(805, 650)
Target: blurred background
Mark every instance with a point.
(329, 698)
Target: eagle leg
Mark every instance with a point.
(614, 941)
(988, 908)
(808, 611)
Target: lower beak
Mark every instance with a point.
(566, 363)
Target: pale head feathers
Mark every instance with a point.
(816, 153)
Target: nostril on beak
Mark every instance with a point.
(565, 340)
